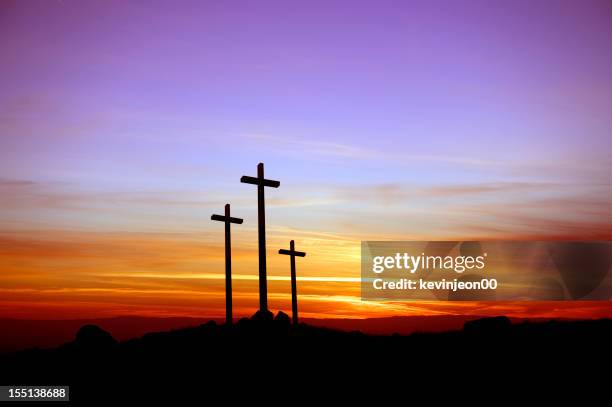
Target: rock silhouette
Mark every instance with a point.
(93, 337)
(488, 325)
(263, 317)
(282, 318)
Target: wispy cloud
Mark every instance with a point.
(17, 193)
(395, 193)
(14, 184)
(306, 146)
(311, 147)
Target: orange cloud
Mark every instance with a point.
(60, 274)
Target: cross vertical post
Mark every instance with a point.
(228, 220)
(261, 183)
(293, 253)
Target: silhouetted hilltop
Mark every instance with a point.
(20, 334)
(256, 349)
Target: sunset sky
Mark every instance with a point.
(125, 124)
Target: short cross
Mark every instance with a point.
(227, 219)
(291, 252)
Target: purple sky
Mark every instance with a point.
(381, 119)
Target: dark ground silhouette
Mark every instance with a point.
(260, 357)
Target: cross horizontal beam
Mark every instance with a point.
(230, 219)
(291, 253)
(245, 179)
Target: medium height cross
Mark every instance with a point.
(227, 219)
(261, 182)
(291, 252)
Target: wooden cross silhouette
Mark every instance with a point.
(261, 182)
(291, 252)
(227, 219)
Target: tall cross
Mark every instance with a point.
(291, 252)
(261, 182)
(227, 219)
